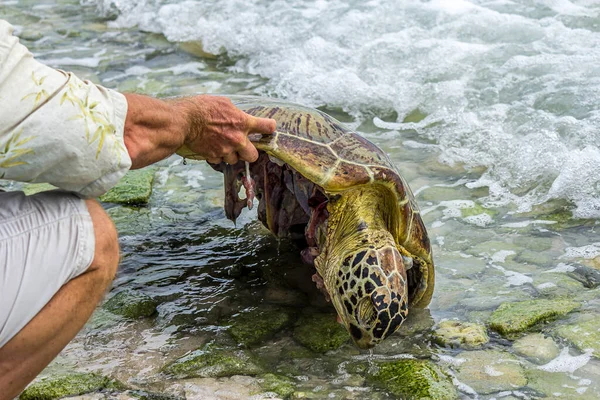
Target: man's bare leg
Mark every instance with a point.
(40, 341)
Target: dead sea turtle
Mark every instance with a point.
(365, 236)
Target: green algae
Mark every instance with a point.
(68, 385)
(134, 188)
(257, 325)
(320, 332)
(413, 379)
(131, 304)
(584, 334)
(511, 318)
(213, 361)
(460, 334)
(279, 384)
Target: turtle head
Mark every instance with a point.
(369, 290)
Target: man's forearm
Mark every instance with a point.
(154, 129)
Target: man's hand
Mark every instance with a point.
(200, 127)
(219, 130)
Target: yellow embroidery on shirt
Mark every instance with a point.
(14, 149)
(41, 93)
(93, 117)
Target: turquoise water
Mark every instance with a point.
(489, 109)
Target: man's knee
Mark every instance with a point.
(106, 256)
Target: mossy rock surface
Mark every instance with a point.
(460, 334)
(68, 385)
(134, 188)
(413, 379)
(279, 384)
(584, 334)
(255, 326)
(131, 304)
(213, 361)
(512, 318)
(320, 332)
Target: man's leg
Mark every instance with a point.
(32, 349)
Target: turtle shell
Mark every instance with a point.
(335, 158)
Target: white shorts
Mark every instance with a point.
(46, 240)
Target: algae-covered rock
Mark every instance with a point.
(320, 332)
(212, 361)
(512, 318)
(131, 304)
(584, 334)
(489, 371)
(279, 384)
(536, 347)
(255, 326)
(134, 188)
(56, 387)
(413, 379)
(460, 334)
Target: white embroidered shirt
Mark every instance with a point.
(55, 127)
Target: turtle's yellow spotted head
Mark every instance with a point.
(369, 291)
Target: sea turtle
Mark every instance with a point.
(362, 225)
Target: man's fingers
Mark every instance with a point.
(215, 160)
(231, 158)
(261, 125)
(248, 152)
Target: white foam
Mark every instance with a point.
(588, 252)
(90, 62)
(508, 86)
(565, 362)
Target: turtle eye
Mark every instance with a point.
(365, 312)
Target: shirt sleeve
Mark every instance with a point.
(57, 128)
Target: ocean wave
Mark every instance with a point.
(512, 86)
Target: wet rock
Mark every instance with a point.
(460, 334)
(489, 371)
(279, 384)
(537, 348)
(320, 332)
(134, 188)
(257, 325)
(588, 277)
(131, 304)
(212, 361)
(409, 378)
(583, 334)
(68, 385)
(558, 385)
(517, 317)
(536, 244)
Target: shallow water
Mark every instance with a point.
(489, 109)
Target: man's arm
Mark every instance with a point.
(210, 126)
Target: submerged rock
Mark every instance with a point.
(255, 326)
(584, 334)
(134, 188)
(537, 348)
(320, 332)
(460, 334)
(489, 371)
(517, 317)
(413, 379)
(68, 385)
(279, 384)
(131, 304)
(212, 361)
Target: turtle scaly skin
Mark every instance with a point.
(343, 192)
